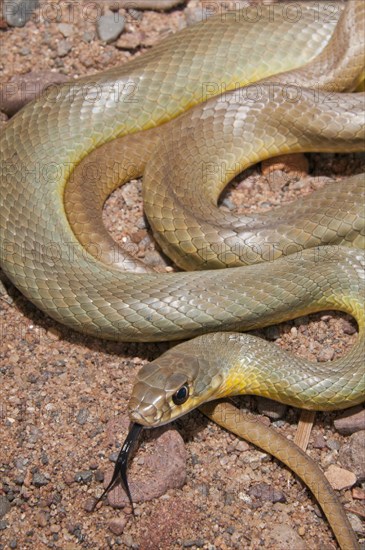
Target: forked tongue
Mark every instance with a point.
(121, 465)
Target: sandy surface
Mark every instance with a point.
(63, 395)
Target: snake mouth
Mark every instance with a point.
(146, 420)
(150, 421)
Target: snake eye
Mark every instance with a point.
(181, 395)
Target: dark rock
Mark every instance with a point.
(264, 492)
(82, 416)
(18, 12)
(272, 332)
(4, 506)
(99, 475)
(84, 476)
(352, 455)
(270, 408)
(39, 480)
(117, 525)
(351, 421)
(63, 48)
(319, 442)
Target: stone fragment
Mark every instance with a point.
(117, 525)
(110, 26)
(352, 455)
(66, 29)
(350, 421)
(326, 354)
(63, 48)
(265, 492)
(39, 480)
(4, 506)
(18, 12)
(340, 478)
(271, 408)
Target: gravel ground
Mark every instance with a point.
(63, 396)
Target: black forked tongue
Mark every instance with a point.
(120, 468)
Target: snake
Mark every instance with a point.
(197, 110)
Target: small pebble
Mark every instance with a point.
(326, 354)
(42, 519)
(272, 332)
(83, 476)
(88, 36)
(63, 48)
(68, 478)
(228, 204)
(270, 408)
(44, 459)
(99, 476)
(66, 29)
(242, 446)
(110, 26)
(350, 421)
(117, 525)
(19, 480)
(352, 455)
(333, 444)
(128, 41)
(113, 457)
(319, 442)
(82, 416)
(4, 506)
(39, 480)
(340, 478)
(348, 327)
(89, 505)
(265, 492)
(18, 12)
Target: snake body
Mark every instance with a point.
(43, 222)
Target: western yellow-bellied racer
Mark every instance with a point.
(43, 147)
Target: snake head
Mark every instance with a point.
(172, 385)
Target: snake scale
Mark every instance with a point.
(150, 111)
